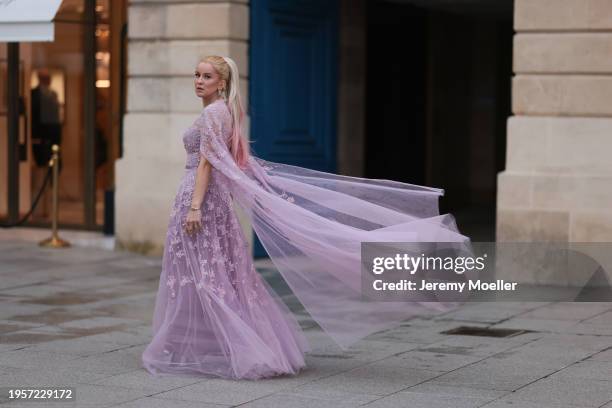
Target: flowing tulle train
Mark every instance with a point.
(215, 315)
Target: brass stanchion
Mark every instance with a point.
(54, 241)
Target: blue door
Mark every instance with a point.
(293, 83)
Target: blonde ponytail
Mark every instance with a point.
(228, 70)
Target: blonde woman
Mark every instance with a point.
(214, 315)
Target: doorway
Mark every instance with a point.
(438, 89)
(293, 84)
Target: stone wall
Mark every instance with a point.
(166, 39)
(557, 185)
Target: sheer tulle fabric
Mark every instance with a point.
(311, 224)
(214, 315)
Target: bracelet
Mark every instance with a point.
(194, 209)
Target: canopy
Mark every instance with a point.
(27, 20)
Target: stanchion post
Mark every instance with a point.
(55, 241)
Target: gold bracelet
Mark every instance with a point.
(194, 209)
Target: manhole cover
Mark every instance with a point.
(485, 331)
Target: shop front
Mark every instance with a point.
(61, 82)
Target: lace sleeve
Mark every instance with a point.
(211, 133)
(213, 146)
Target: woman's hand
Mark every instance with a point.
(193, 221)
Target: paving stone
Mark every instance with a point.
(433, 361)
(142, 380)
(418, 400)
(19, 265)
(604, 319)
(544, 357)
(24, 358)
(542, 325)
(284, 400)
(489, 313)
(562, 390)
(7, 326)
(219, 391)
(47, 376)
(90, 282)
(133, 261)
(318, 365)
(556, 351)
(34, 290)
(505, 402)
(18, 279)
(568, 311)
(30, 337)
(92, 319)
(374, 350)
(13, 346)
(152, 402)
(495, 375)
(81, 347)
(588, 369)
(605, 355)
(126, 336)
(105, 395)
(581, 341)
(13, 311)
(475, 345)
(373, 379)
(112, 363)
(451, 390)
(588, 328)
(103, 321)
(414, 332)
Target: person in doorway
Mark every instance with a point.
(46, 129)
(214, 315)
(46, 124)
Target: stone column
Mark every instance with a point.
(166, 39)
(557, 185)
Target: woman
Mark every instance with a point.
(214, 315)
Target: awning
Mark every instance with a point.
(27, 20)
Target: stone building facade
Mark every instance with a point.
(557, 185)
(557, 180)
(165, 41)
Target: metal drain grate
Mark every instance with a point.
(485, 331)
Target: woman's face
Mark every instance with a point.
(207, 81)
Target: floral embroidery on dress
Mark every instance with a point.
(185, 280)
(211, 269)
(170, 283)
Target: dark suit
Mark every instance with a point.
(46, 127)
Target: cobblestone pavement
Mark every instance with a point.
(81, 317)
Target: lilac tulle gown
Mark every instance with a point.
(214, 315)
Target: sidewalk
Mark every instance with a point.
(81, 317)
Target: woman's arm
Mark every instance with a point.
(209, 126)
(201, 183)
(193, 221)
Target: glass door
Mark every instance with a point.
(72, 95)
(56, 80)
